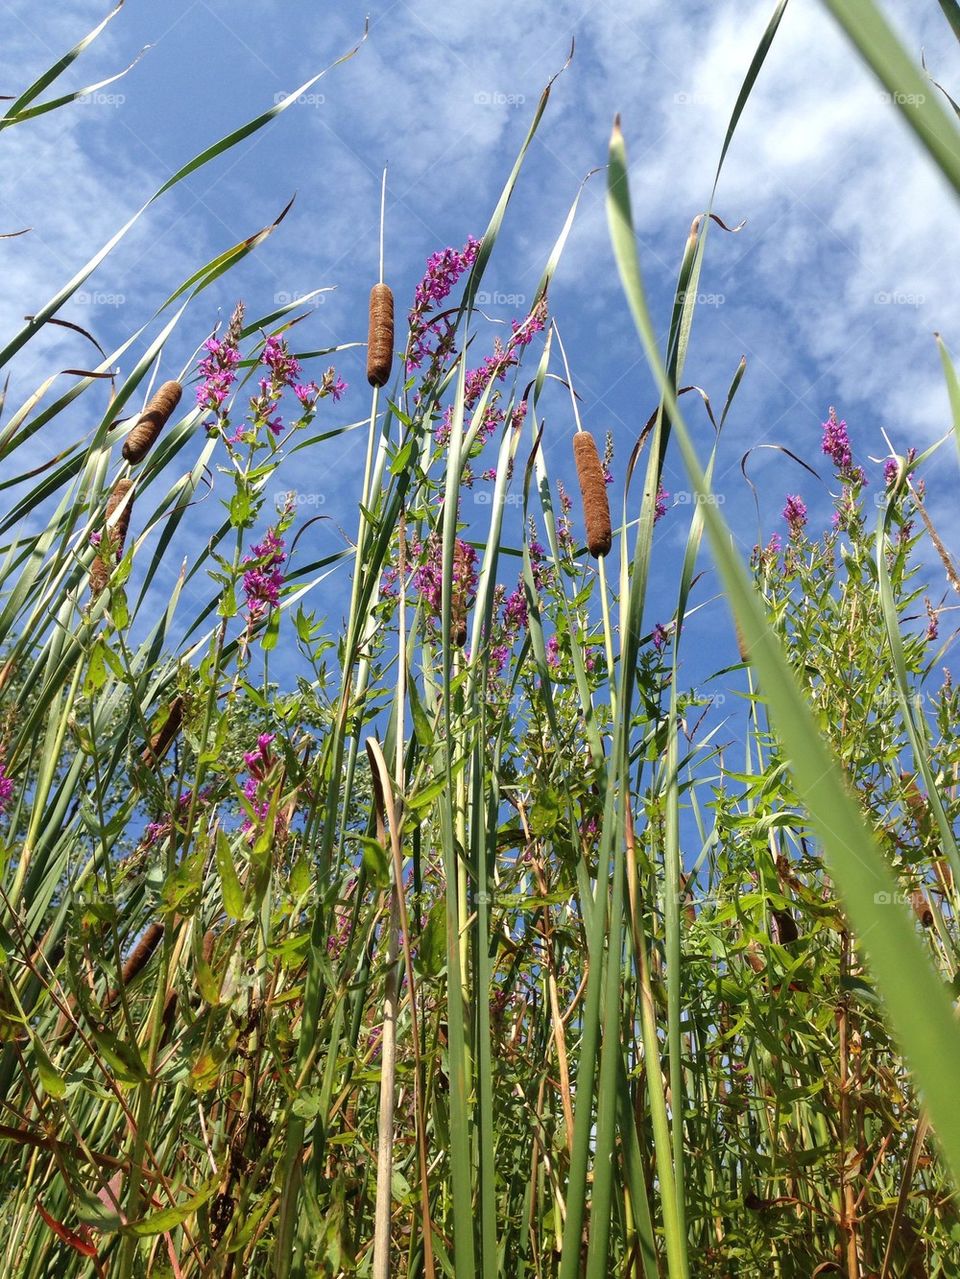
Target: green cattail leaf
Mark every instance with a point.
(230, 886)
(168, 1218)
(51, 1079)
(122, 1057)
(96, 675)
(907, 84)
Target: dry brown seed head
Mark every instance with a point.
(115, 534)
(593, 491)
(151, 422)
(380, 335)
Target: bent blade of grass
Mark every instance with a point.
(917, 1003)
(204, 157)
(53, 73)
(877, 43)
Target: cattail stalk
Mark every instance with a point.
(113, 536)
(151, 422)
(593, 491)
(380, 335)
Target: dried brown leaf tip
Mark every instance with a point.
(593, 491)
(380, 335)
(151, 422)
(115, 534)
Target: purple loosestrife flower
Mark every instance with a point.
(428, 579)
(218, 369)
(891, 469)
(836, 445)
(515, 611)
(836, 441)
(795, 513)
(933, 621)
(660, 508)
(553, 652)
(284, 366)
(430, 339)
(659, 636)
(259, 763)
(564, 522)
(499, 656)
(6, 789)
(263, 580)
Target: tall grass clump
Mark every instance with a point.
(399, 905)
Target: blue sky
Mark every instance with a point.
(832, 290)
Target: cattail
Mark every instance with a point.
(752, 956)
(380, 335)
(160, 742)
(593, 491)
(115, 533)
(150, 423)
(786, 927)
(921, 908)
(138, 958)
(742, 644)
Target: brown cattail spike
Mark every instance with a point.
(593, 490)
(114, 534)
(138, 959)
(921, 908)
(380, 335)
(160, 741)
(150, 423)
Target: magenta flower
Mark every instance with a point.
(263, 580)
(660, 508)
(218, 369)
(553, 652)
(284, 366)
(428, 579)
(515, 611)
(795, 513)
(430, 339)
(259, 763)
(6, 789)
(659, 636)
(836, 441)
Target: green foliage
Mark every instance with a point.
(476, 946)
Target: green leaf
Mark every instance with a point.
(230, 886)
(168, 1218)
